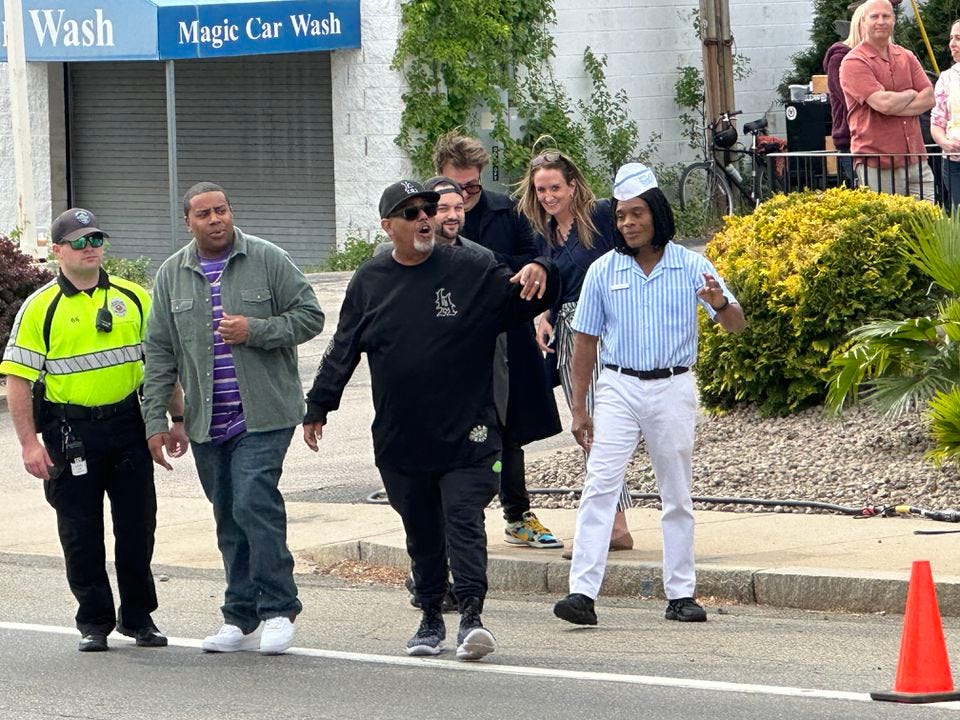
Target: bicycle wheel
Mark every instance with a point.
(705, 195)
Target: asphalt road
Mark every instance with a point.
(348, 662)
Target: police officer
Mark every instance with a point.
(78, 340)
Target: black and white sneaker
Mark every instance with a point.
(474, 641)
(426, 641)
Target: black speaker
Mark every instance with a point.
(808, 124)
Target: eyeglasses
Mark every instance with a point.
(472, 188)
(412, 212)
(547, 157)
(93, 241)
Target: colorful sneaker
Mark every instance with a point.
(426, 641)
(530, 531)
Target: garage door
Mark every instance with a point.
(259, 126)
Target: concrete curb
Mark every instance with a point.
(789, 587)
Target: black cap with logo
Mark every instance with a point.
(72, 224)
(396, 194)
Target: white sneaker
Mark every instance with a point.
(277, 636)
(230, 638)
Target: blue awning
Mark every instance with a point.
(92, 30)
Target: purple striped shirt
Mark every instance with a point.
(227, 420)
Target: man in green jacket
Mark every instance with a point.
(229, 311)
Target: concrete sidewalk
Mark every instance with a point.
(807, 561)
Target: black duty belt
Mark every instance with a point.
(649, 374)
(67, 411)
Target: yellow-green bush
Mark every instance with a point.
(807, 268)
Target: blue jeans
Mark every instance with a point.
(240, 477)
(951, 180)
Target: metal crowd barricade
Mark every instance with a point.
(822, 169)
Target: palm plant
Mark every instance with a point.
(912, 364)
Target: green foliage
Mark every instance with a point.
(807, 268)
(356, 250)
(137, 270)
(19, 276)
(481, 54)
(689, 95)
(459, 57)
(899, 365)
(809, 62)
(937, 16)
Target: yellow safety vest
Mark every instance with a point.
(55, 333)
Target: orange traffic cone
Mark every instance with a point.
(923, 672)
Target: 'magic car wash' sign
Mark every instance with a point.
(258, 28)
(78, 30)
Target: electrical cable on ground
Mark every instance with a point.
(857, 513)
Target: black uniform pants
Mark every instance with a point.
(514, 499)
(442, 514)
(118, 464)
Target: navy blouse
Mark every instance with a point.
(572, 259)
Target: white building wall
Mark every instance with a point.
(38, 100)
(366, 119)
(646, 40)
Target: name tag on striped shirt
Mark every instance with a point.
(620, 286)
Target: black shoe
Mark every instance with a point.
(474, 641)
(685, 610)
(449, 600)
(577, 609)
(93, 642)
(147, 636)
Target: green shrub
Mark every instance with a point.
(356, 250)
(137, 271)
(19, 276)
(807, 268)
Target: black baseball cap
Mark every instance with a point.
(398, 193)
(74, 223)
(453, 185)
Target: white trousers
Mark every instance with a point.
(665, 413)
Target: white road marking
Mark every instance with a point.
(517, 670)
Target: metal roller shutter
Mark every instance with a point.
(260, 126)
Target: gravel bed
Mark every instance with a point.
(861, 459)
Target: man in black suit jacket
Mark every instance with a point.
(493, 222)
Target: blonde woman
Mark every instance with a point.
(945, 118)
(840, 130)
(573, 229)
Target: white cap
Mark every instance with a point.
(633, 179)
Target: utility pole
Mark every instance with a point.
(717, 57)
(22, 142)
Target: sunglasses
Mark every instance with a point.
(547, 157)
(472, 188)
(93, 241)
(412, 212)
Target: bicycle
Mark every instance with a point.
(708, 185)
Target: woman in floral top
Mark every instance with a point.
(945, 118)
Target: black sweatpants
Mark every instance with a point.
(442, 515)
(514, 499)
(118, 464)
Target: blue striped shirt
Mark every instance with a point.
(645, 322)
